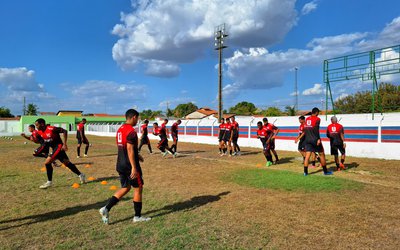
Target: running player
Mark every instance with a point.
(221, 142)
(52, 139)
(42, 150)
(312, 141)
(228, 135)
(80, 136)
(128, 168)
(272, 133)
(174, 134)
(144, 138)
(300, 137)
(163, 144)
(335, 133)
(262, 134)
(235, 136)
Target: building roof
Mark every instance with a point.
(69, 111)
(47, 113)
(207, 111)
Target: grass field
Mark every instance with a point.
(199, 201)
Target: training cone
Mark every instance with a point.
(104, 183)
(75, 185)
(91, 178)
(113, 187)
(43, 169)
(88, 166)
(258, 165)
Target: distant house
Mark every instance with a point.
(201, 113)
(47, 113)
(74, 113)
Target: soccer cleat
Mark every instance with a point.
(341, 165)
(337, 168)
(85, 155)
(175, 155)
(305, 174)
(82, 178)
(78, 157)
(164, 154)
(221, 154)
(269, 163)
(234, 153)
(328, 173)
(46, 185)
(141, 219)
(104, 215)
(238, 153)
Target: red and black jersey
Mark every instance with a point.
(174, 129)
(51, 135)
(270, 128)
(333, 132)
(126, 134)
(144, 130)
(301, 131)
(235, 128)
(311, 129)
(221, 130)
(80, 128)
(160, 131)
(36, 138)
(228, 129)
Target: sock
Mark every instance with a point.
(325, 169)
(224, 150)
(149, 147)
(138, 208)
(112, 202)
(305, 170)
(73, 168)
(49, 171)
(313, 163)
(78, 151)
(230, 151)
(86, 149)
(342, 161)
(269, 158)
(276, 157)
(337, 165)
(220, 150)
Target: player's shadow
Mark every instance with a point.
(84, 163)
(285, 160)
(250, 152)
(103, 155)
(191, 152)
(187, 205)
(107, 178)
(351, 165)
(53, 215)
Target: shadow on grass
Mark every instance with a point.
(188, 205)
(351, 165)
(285, 160)
(250, 152)
(107, 178)
(104, 155)
(84, 163)
(191, 152)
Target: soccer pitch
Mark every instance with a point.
(199, 200)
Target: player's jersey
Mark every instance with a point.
(51, 135)
(163, 125)
(221, 129)
(80, 128)
(174, 129)
(126, 134)
(144, 130)
(301, 130)
(270, 128)
(36, 138)
(333, 132)
(262, 134)
(235, 127)
(311, 129)
(160, 131)
(228, 129)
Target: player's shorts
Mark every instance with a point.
(301, 146)
(313, 147)
(227, 137)
(59, 154)
(272, 144)
(144, 140)
(81, 140)
(163, 143)
(41, 151)
(220, 137)
(174, 138)
(336, 148)
(126, 180)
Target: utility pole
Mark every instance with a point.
(219, 36)
(296, 96)
(24, 107)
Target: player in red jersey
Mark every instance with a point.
(42, 150)
(228, 135)
(144, 138)
(300, 138)
(128, 168)
(312, 141)
(52, 139)
(163, 144)
(335, 133)
(272, 133)
(221, 134)
(235, 136)
(262, 134)
(80, 136)
(174, 134)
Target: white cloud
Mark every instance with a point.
(173, 102)
(343, 95)
(162, 69)
(19, 79)
(309, 7)
(294, 93)
(317, 89)
(158, 30)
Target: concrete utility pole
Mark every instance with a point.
(296, 95)
(219, 36)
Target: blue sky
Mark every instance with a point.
(103, 56)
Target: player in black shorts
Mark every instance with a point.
(174, 135)
(335, 133)
(144, 138)
(42, 150)
(163, 143)
(221, 143)
(128, 168)
(300, 137)
(81, 138)
(235, 136)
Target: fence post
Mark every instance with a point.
(380, 130)
(185, 126)
(197, 132)
(212, 128)
(250, 127)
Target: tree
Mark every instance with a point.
(170, 112)
(183, 109)
(149, 114)
(272, 111)
(243, 108)
(290, 110)
(5, 112)
(31, 109)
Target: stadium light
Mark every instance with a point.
(219, 36)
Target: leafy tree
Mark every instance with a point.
(149, 114)
(170, 112)
(272, 111)
(31, 109)
(243, 108)
(5, 112)
(183, 109)
(290, 110)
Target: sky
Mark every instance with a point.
(103, 56)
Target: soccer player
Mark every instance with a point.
(262, 134)
(174, 134)
(128, 168)
(144, 138)
(312, 141)
(163, 144)
(42, 150)
(52, 139)
(222, 146)
(272, 133)
(235, 136)
(335, 133)
(300, 137)
(80, 136)
(228, 135)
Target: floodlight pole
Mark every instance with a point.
(296, 103)
(219, 36)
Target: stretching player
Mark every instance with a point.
(80, 136)
(144, 138)
(300, 137)
(312, 141)
(262, 134)
(335, 133)
(272, 133)
(128, 168)
(163, 144)
(174, 134)
(228, 135)
(221, 142)
(235, 136)
(52, 139)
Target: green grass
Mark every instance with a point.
(290, 181)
